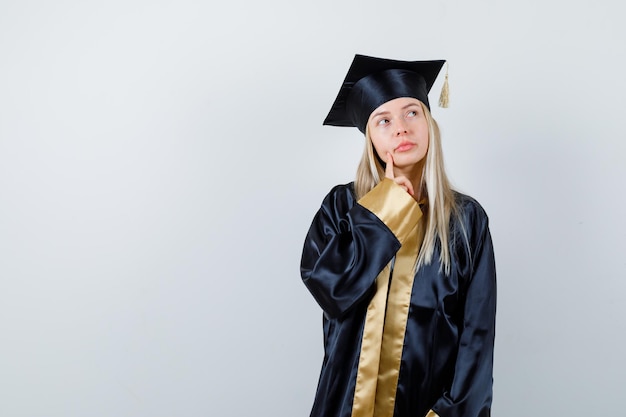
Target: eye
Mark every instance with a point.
(412, 113)
(382, 122)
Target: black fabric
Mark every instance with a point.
(372, 81)
(447, 360)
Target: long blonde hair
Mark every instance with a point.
(441, 202)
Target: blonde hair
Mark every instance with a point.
(441, 202)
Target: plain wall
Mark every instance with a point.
(161, 161)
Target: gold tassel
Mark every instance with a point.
(444, 98)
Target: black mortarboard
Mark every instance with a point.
(372, 81)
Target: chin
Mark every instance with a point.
(407, 160)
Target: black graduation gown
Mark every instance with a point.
(446, 349)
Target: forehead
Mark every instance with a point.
(395, 104)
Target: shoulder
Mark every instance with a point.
(471, 216)
(340, 198)
(336, 205)
(468, 206)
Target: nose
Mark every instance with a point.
(401, 128)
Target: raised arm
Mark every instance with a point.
(349, 243)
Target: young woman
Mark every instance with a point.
(401, 265)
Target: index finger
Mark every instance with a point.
(389, 168)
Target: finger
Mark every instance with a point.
(409, 187)
(389, 168)
(405, 183)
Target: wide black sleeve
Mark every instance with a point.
(350, 242)
(470, 394)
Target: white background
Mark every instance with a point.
(161, 161)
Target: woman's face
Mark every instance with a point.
(399, 127)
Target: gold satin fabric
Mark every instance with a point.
(385, 321)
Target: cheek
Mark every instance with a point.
(379, 147)
(425, 143)
(380, 153)
(424, 134)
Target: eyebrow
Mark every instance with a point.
(383, 112)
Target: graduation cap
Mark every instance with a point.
(373, 81)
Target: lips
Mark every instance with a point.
(404, 146)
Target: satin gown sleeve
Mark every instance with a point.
(470, 393)
(345, 249)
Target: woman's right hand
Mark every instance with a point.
(401, 180)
